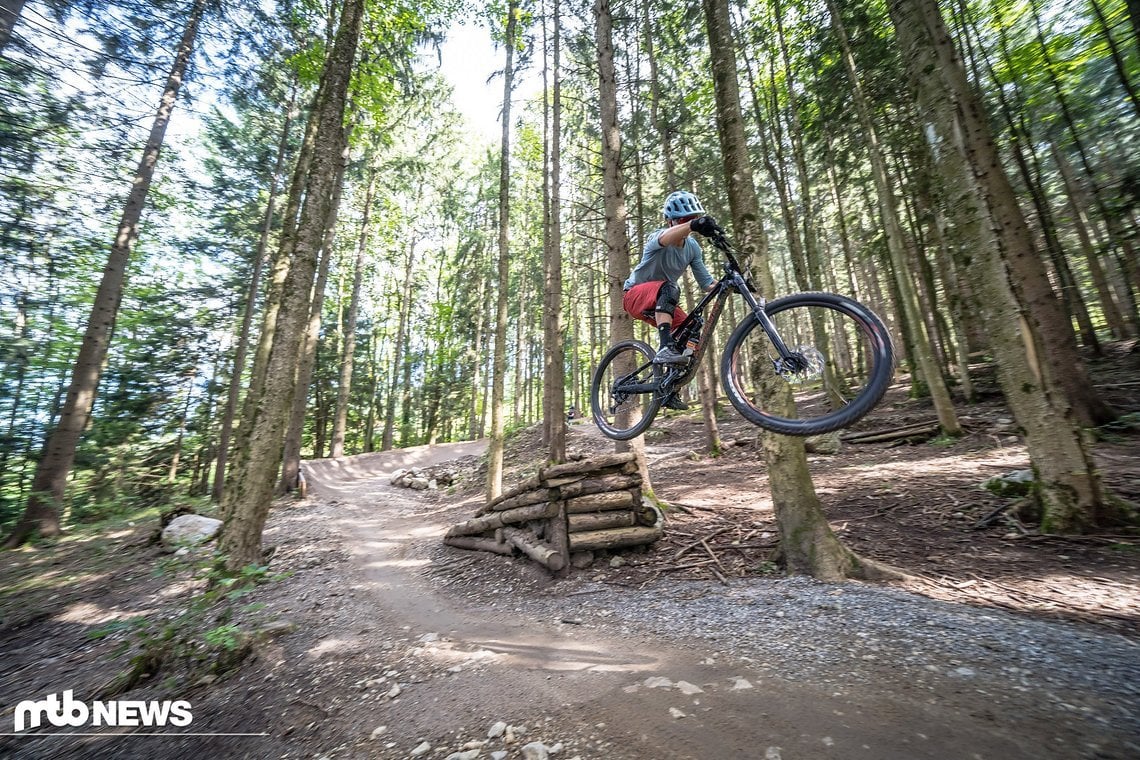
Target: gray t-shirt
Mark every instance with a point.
(660, 262)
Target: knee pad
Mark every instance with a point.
(668, 297)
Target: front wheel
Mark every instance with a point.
(623, 392)
(838, 365)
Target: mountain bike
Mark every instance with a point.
(804, 364)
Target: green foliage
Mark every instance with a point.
(201, 637)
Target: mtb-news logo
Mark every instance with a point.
(69, 712)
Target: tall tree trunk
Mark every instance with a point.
(1050, 326)
(1068, 485)
(398, 350)
(373, 390)
(248, 498)
(41, 511)
(344, 387)
(1022, 144)
(806, 541)
(234, 391)
(923, 352)
(1083, 224)
(279, 271)
(616, 214)
(657, 110)
(499, 362)
(172, 473)
(307, 357)
(477, 358)
(554, 354)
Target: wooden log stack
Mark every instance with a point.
(563, 510)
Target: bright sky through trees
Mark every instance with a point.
(468, 60)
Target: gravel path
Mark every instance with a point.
(760, 668)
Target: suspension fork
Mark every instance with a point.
(758, 311)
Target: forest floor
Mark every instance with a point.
(380, 642)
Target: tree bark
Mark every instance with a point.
(494, 484)
(616, 213)
(41, 511)
(247, 502)
(399, 349)
(554, 352)
(344, 387)
(307, 356)
(234, 391)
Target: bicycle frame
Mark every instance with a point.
(733, 279)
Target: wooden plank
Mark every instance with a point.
(587, 486)
(601, 502)
(506, 517)
(601, 520)
(528, 544)
(613, 538)
(479, 543)
(586, 465)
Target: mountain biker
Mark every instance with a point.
(651, 292)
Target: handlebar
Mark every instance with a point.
(721, 243)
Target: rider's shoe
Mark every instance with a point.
(669, 355)
(673, 401)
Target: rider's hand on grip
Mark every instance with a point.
(705, 225)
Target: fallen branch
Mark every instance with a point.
(687, 565)
(708, 549)
(684, 549)
(992, 516)
(894, 434)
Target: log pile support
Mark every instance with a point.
(565, 510)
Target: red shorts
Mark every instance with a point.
(640, 302)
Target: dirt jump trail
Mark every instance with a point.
(760, 668)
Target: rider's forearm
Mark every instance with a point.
(675, 236)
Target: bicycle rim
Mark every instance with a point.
(840, 366)
(623, 408)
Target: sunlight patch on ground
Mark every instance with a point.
(329, 646)
(381, 545)
(51, 579)
(181, 588)
(86, 613)
(936, 464)
(444, 651)
(399, 563)
(424, 532)
(714, 496)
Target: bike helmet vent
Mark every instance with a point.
(681, 204)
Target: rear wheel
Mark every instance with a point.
(839, 365)
(623, 393)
